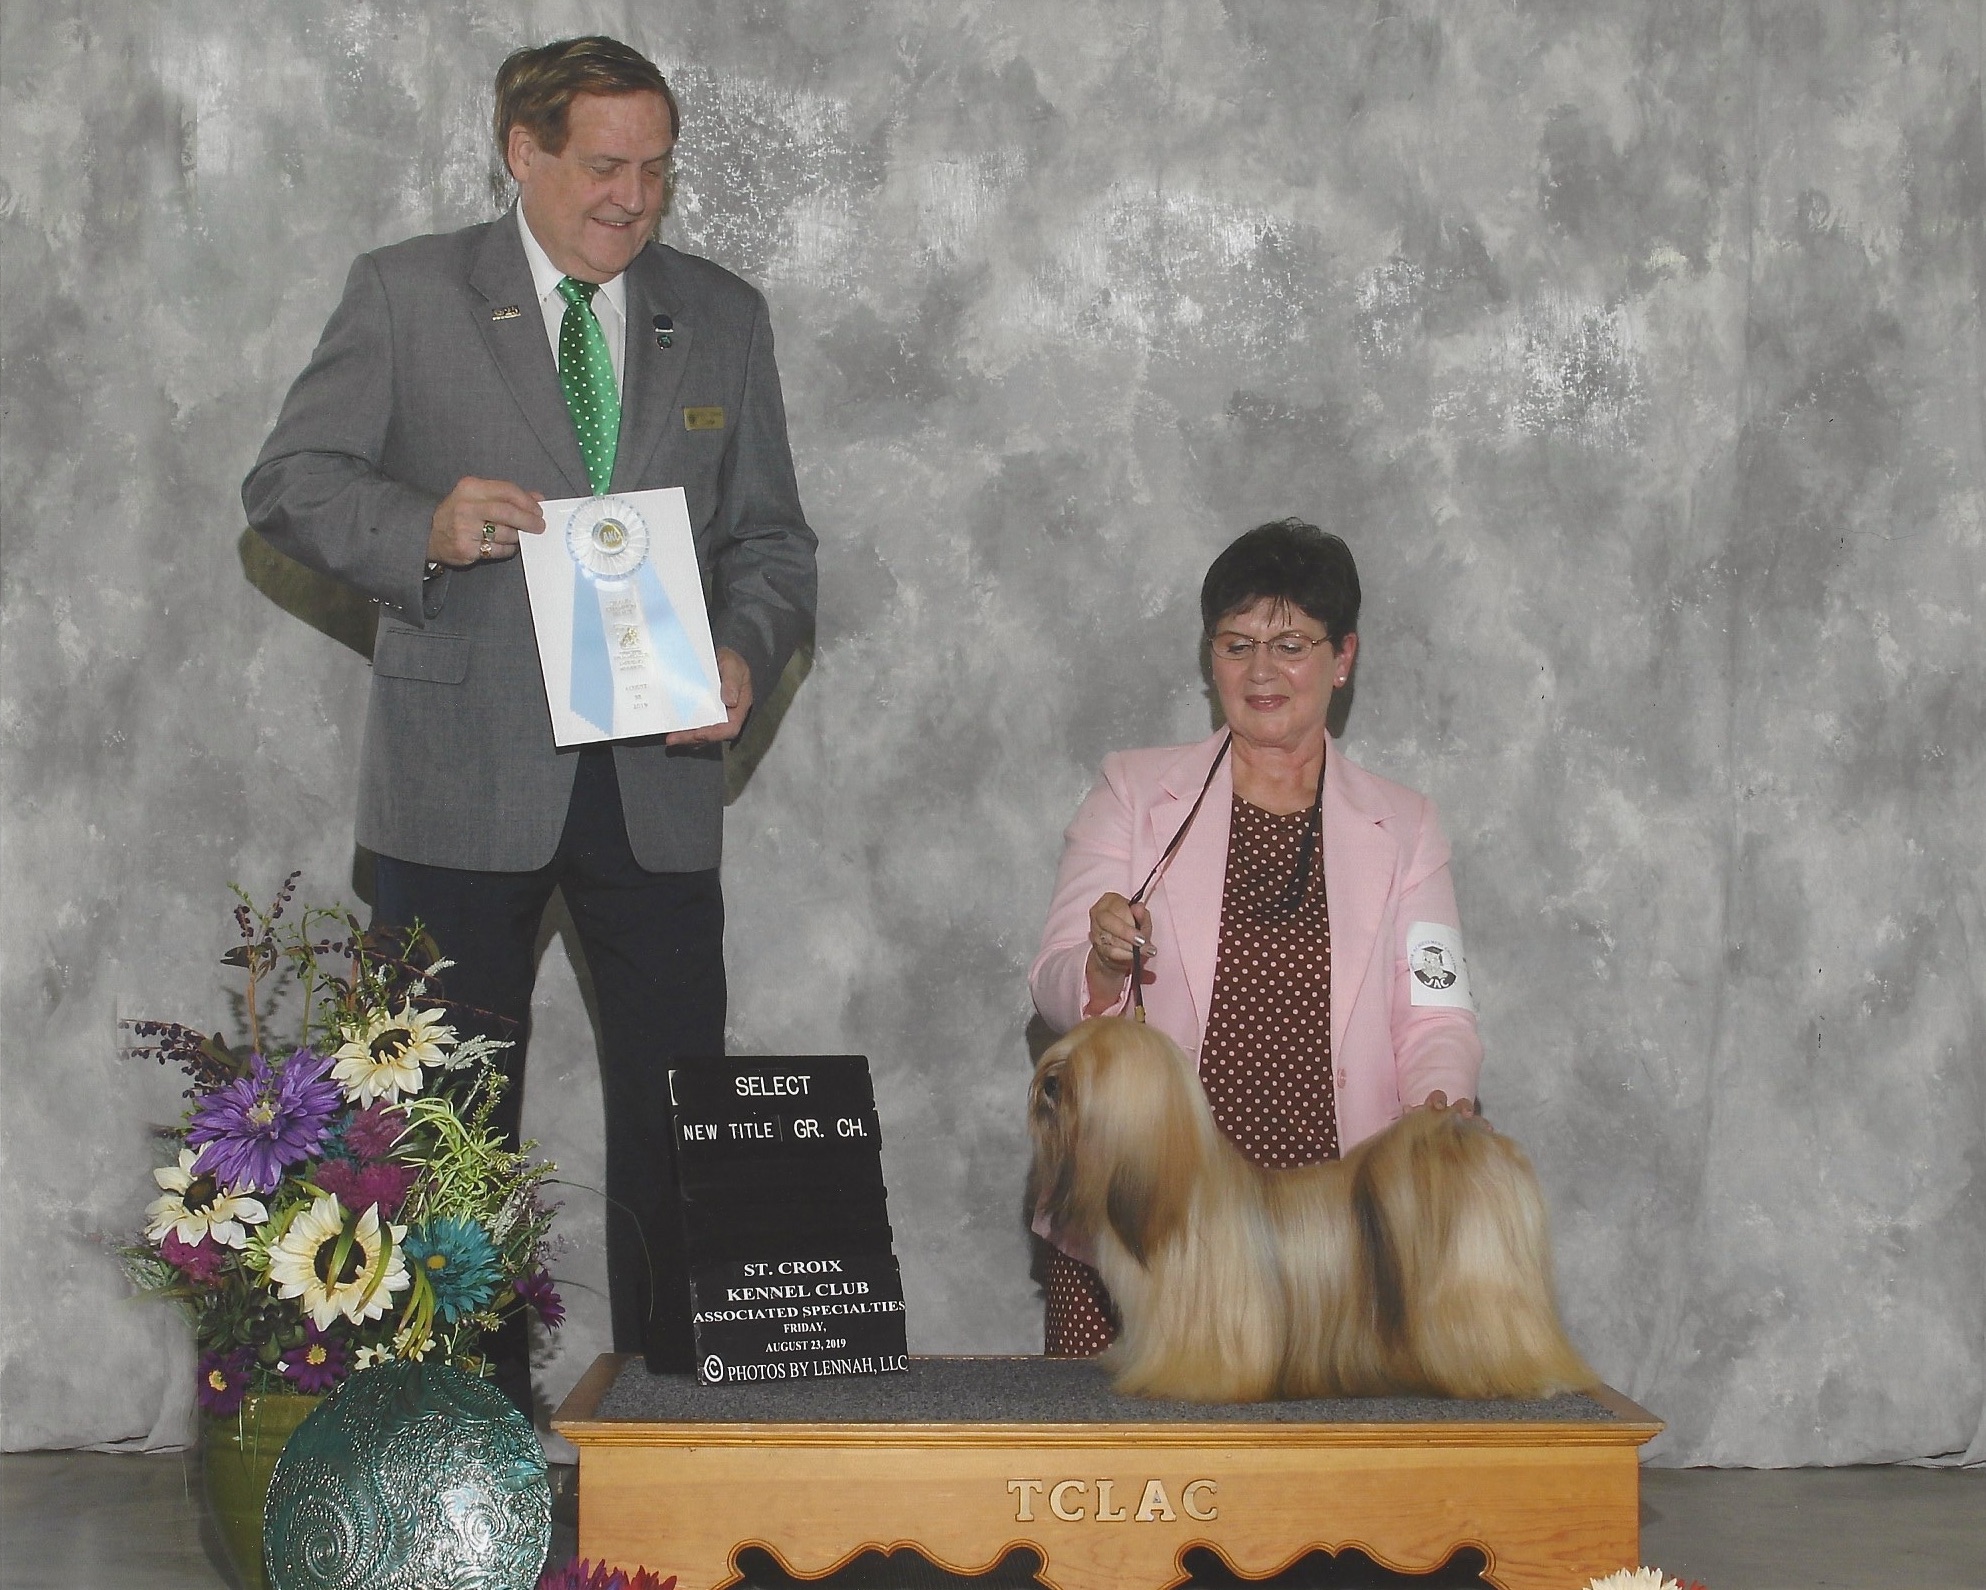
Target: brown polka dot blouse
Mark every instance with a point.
(1265, 1060)
(1081, 1320)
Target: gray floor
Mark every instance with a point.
(84, 1521)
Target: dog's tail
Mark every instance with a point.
(1453, 1242)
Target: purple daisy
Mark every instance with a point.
(373, 1131)
(537, 1290)
(197, 1261)
(319, 1364)
(223, 1381)
(357, 1186)
(259, 1125)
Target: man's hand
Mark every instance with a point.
(480, 521)
(734, 678)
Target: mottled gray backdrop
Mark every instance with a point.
(1636, 346)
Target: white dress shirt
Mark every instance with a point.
(610, 303)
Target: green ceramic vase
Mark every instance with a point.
(412, 1476)
(238, 1454)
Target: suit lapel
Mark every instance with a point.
(1197, 872)
(517, 344)
(652, 377)
(1359, 860)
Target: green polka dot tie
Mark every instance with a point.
(587, 374)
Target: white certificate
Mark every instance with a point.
(623, 635)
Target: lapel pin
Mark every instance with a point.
(508, 312)
(665, 332)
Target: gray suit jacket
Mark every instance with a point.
(415, 384)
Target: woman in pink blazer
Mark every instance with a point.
(1319, 1002)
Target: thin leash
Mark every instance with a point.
(1313, 837)
(1172, 847)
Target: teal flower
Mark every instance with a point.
(453, 1255)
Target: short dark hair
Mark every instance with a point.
(1285, 561)
(535, 88)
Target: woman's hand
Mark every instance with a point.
(1438, 1100)
(1117, 927)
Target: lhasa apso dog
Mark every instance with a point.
(1416, 1265)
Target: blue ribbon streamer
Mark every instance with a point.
(592, 674)
(682, 670)
(592, 671)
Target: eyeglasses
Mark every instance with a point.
(1292, 646)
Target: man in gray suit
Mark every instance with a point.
(463, 379)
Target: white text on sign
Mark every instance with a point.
(771, 1087)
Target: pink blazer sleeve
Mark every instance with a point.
(1096, 859)
(1433, 1046)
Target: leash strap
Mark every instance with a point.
(1172, 847)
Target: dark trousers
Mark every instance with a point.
(654, 946)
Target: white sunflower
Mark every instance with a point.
(407, 1347)
(304, 1263)
(383, 1060)
(196, 1205)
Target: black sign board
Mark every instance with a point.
(785, 1218)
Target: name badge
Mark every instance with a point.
(703, 419)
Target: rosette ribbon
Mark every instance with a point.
(609, 546)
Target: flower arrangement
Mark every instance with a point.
(338, 1201)
(580, 1574)
(1639, 1579)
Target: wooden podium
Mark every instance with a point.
(677, 1478)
